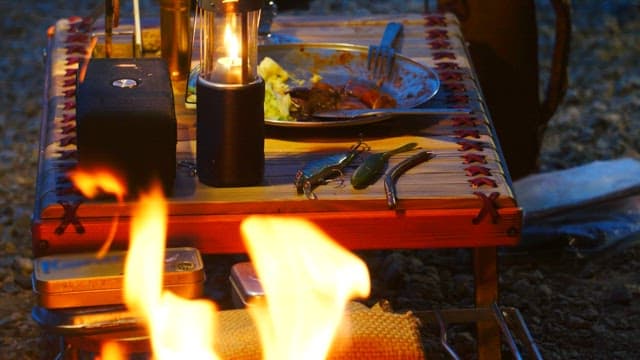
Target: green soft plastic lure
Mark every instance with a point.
(373, 166)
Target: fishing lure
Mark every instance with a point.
(373, 166)
(392, 175)
(321, 171)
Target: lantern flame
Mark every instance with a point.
(231, 44)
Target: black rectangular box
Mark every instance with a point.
(126, 121)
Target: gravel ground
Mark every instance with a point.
(576, 307)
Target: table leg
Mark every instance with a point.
(485, 260)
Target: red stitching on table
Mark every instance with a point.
(69, 105)
(456, 87)
(489, 207)
(440, 44)
(74, 19)
(459, 105)
(437, 34)
(472, 158)
(67, 117)
(450, 75)
(444, 55)
(69, 82)
(68, 140)
(69, 93)
(475, 170)
(76, 49)
(69, 217)
(479, 181)
(447, 66)
(464, 120)
(73, 60)
(67, 129)
(458, 99)
(465, 133)
(436, 20)
(77, 38)
(466, 145)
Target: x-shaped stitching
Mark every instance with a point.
(69, 217)
(488, 207)
(463, 133)
(474, 170)
(474, 158)
(477, 182)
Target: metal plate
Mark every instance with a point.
(410, 83)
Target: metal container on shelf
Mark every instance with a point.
(82, 280)
(245, 285)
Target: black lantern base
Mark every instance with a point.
(230, 134)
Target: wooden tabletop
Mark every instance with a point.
(462, 197)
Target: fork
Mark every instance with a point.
(380, 58)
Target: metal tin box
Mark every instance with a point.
(80, 280)
(245, 285)
(86, 320)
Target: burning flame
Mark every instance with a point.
(308, 280)
(167, 314)
(307, 277)
(90, 184)
(231, 43)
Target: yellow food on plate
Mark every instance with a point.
(277, 100)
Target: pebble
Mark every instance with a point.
(464, 342)
(522, 287)
(576, 322)
(590, 313)
(620, 294)
(23, 264)
(393, 270)
(545, 290)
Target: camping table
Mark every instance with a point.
(462, 198)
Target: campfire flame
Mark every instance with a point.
(90, 185)
(307, 277)
(178, 328)
(308, 280)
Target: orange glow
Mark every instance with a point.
(90, 184)
(231, 70)
(231, 43)
(111, 350)
(178, 328)
(307, 277)
(308, 280)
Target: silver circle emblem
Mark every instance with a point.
(124, 83)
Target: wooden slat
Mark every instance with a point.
(412, 229)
